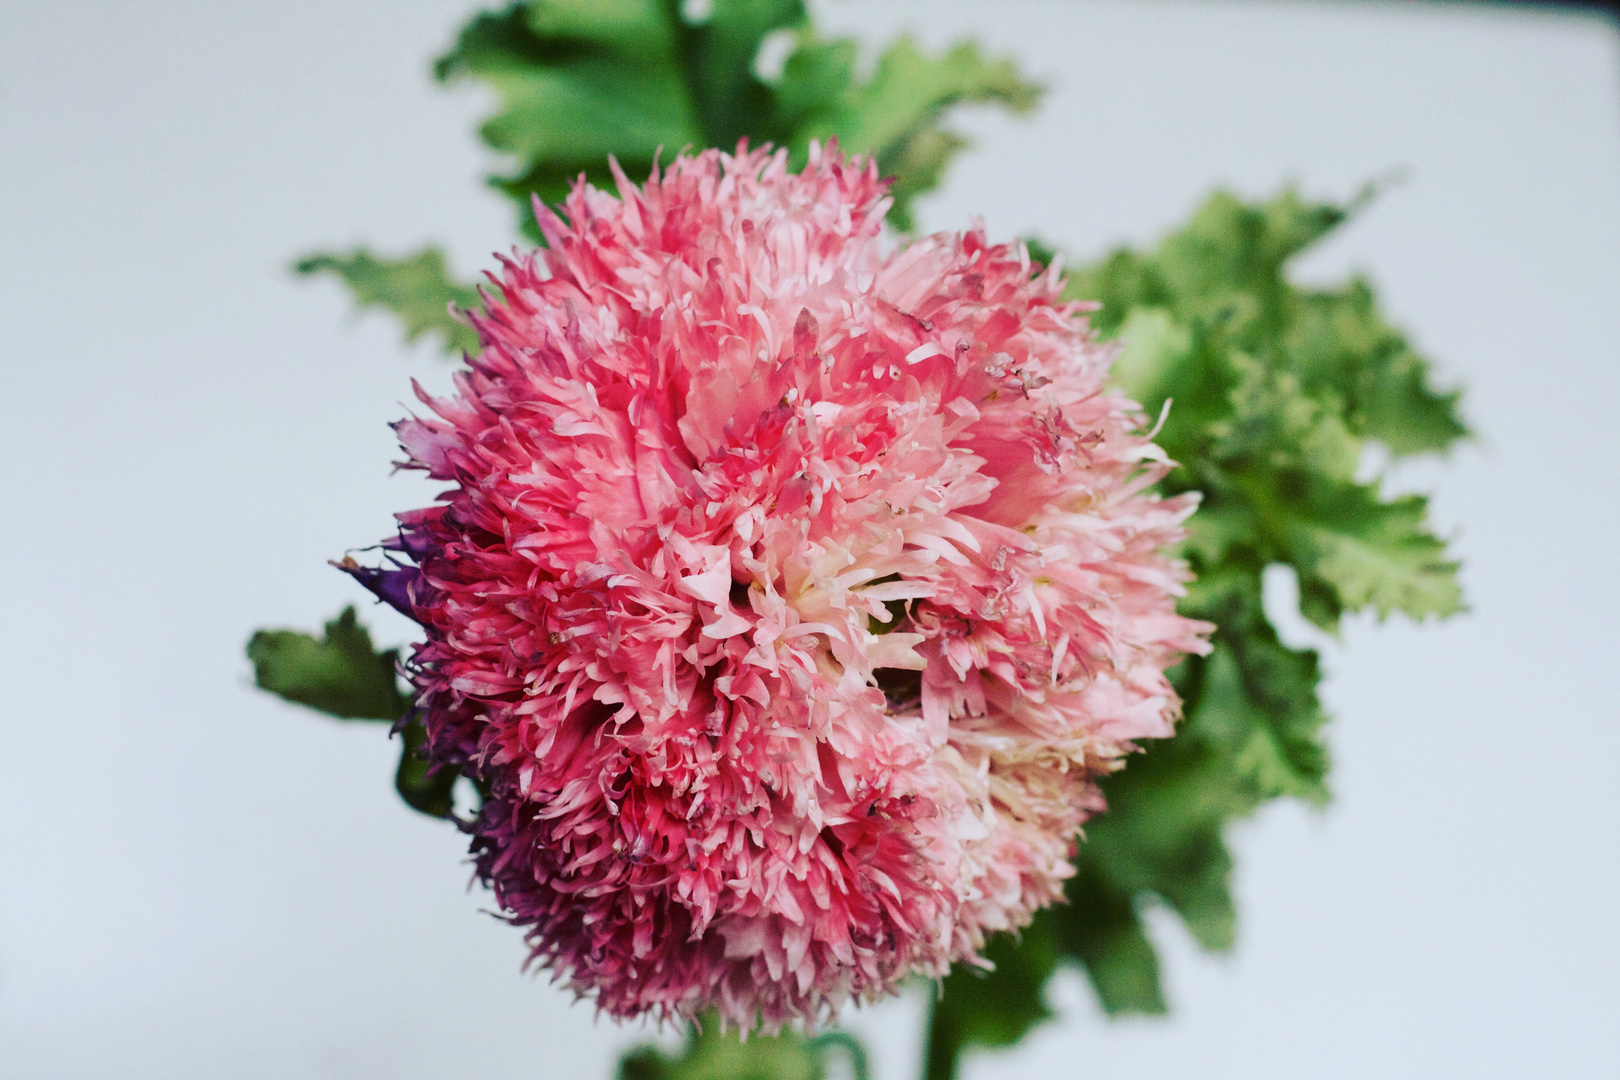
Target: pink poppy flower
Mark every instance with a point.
(790, 592)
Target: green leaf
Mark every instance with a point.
(579, 80)
(1377, 555)
(1257, 708)
(816, 78)
(1343, 348)
(417, 288)
(716, 57)
(897, 115)
(1103, 930)
(339, 674)
(1161, 840)
(997, 1006)
(428, 790)
(1155, 347)
(710, 1054)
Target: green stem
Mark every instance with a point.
(944, 1050)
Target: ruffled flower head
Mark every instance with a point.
(789, 594)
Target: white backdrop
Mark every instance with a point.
(197, 881)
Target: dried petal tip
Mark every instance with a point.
(788, 595)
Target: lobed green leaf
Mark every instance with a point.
(998, 1005)
(579, 81)
(897, 115)
(582, 81)
(339, 674)
(417, 288)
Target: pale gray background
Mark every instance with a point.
(197, 881)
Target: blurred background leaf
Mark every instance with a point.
(417, 288)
